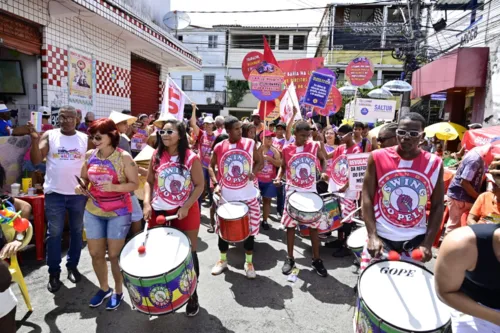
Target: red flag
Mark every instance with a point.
(265, 108)
(268, 53)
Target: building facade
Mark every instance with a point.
(372, 30)
(98, 55)
(464, 43)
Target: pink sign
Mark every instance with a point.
(359, 71)
(251, 61)
(334, 103)
(266, 82)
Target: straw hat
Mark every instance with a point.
(119, 117)
(146, 154)
(162, 119)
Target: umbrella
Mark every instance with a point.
(380, 93)
(348, 90)
(397, 85)
(445, 131)
(481, 136)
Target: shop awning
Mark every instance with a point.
(461, 68)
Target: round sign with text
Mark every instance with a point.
(267, 81)
(359, 71)
(250, 62)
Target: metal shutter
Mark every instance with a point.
(145, 79)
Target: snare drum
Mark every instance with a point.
(399, 297)
(234, 221)
(305, 207)
(357, 240)
(330, 220)
(163, 279)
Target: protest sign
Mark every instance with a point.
(357, 169)
(250, 62)
(318, 89)
(359, 71)
(266, 82)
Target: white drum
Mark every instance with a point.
(399, 297)
(305, 207)
(162, 279)
(357, 240)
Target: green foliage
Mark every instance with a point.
(237, 90)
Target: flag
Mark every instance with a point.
(172, 104)
(288, 101)
(268, 54)
(265, 108)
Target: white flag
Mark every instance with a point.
(288, 101)
(172, 104)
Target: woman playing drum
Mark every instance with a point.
(112, 175)
(175, 182)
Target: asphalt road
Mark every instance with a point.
(229, 302)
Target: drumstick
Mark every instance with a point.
(350, 215)
(142, 248)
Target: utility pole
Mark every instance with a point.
(410, 63)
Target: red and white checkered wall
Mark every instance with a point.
(112, 80)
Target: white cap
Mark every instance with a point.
(4, 108)
(208, 120)
(119, 117)
(162, 119)
(256, 113)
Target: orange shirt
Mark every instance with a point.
(487, 208)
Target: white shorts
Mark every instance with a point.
(462, 323)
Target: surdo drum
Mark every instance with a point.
(305, 207)
(399, 297)
(234, 221)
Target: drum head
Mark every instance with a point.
(357, 238)
(306, 202)
(403, 295)
(166, 249)
(232, 210)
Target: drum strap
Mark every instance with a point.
(403, 246)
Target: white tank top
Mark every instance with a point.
(64, 161)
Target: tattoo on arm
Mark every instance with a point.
(132, 163)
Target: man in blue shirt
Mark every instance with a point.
(6, 125)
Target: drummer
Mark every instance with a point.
(237, 184)
(303, 180)
(175, 181)
(399, 181)
(467, 277)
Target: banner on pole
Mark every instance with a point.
(358, 164)
(287, 103)
(318, 89)
(172, 105)
(373, 109)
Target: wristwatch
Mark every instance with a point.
(20, 236)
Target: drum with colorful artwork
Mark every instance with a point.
(161, 280)
(399, 297)
(330, 220)
(304, 207)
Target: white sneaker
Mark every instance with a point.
(250, 271)
(281, 227)
(219, 267)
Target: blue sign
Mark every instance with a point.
(318, 89)
(364, 111)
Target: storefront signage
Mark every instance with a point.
(358, 164)
(250, 62)
(470, 33)
(370, 110)
(318, 89)
(359, 71)
(266, 81)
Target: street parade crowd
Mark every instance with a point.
(126, 182)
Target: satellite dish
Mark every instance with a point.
(176, 20)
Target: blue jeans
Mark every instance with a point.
(56, 206)
(98, 227)
(280, 200)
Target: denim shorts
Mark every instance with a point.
(136, 209)
(98, 227)
(268, 190)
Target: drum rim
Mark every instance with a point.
(158, 275)
(315, 212)
(241, 202)
(378, 317)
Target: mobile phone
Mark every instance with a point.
(36, 120)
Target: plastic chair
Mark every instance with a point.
(17, 275)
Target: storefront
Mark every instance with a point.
(20, 65)
(462, 75)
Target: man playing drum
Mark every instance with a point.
(299, 163)
(399, 181)
(238, 162)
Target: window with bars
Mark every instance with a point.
(212, 41)
(209, 82)
(187, 82)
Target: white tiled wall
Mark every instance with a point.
(76, 33)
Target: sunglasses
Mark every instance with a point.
(166, 132)
(413, 134)
(96, 138)
(382, 140)
(343, 136)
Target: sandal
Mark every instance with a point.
(211, 229)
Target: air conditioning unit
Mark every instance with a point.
(209, 100)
